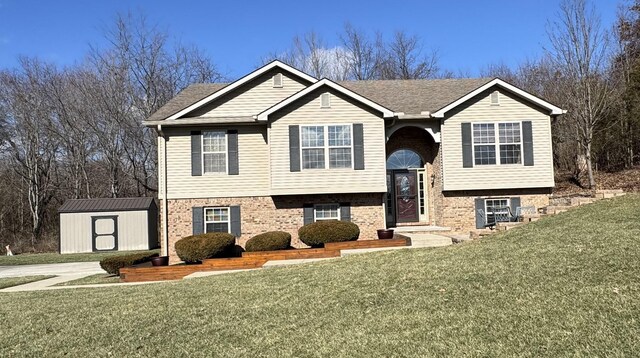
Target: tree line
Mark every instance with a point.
(75, 131)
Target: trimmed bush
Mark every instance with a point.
(319, 233)
(269, 241)
(113, 264)
(196, 248)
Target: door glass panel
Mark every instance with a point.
(406, 198)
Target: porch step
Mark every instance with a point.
(420, 229)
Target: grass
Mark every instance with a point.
(16, 281)
(564, 286)
(55, 258)
(93, 279)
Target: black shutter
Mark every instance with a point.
(358, 146)
(480, 214)
(197, 219)
(527, 141)
(467, 147)
(294, 148)
(236, 221)
(196, 153)
(232, 139)
(307, 212)
(514, 203)
(345, 212)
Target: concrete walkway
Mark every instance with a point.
(71, 268)
(73, 271)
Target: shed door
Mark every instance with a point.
(104, 233)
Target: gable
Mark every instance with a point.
(327, 85)
(498, 84)
(252, 97)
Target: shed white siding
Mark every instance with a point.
(308, 111)
(76, 231)
(480, 177)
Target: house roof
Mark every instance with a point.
(415, 96)
(411, 97)
(554, 110)
(386, 112)
(105, 204)
(186, 98)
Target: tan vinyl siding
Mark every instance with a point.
(510, 109)
(307, 111)
(253, 97)
(76, 233)
(253, 160)
(160, 167)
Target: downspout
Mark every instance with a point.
(165, 211)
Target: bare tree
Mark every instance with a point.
(580, 51)
(33, 151)
(364, 55)
(405, 59)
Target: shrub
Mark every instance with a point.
(113, 264)
(204, 246)
(269, 241)
(319, 233)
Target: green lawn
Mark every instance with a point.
(93, 279)
(15, 281)
(565, 286)
(55, 258)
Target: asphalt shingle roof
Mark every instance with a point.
(408, 96)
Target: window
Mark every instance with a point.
(493, 206)
(326, 212)
(507, 143)
(484, 138)
(325, 100)
(216, 220)
(214, 152)
(510, 143)
(337, 146)
(277, 80)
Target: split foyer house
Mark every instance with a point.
(278, 149)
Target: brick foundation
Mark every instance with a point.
(284, 213)
(458, 208)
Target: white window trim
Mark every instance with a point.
(226, 153)
(326, 146)
(281, 85)
(486, 212)
(315, 206)
(496, 132)
(328, 96)
(228, 222)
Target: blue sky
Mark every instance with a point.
(468, 34)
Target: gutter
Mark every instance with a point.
(165, 211)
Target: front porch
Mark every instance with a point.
(413, 180)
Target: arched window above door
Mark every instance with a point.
(404, 159)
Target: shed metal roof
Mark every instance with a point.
(105, 204)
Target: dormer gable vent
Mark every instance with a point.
(277, 80)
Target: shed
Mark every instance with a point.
(108, 224)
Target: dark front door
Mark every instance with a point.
(406, 196)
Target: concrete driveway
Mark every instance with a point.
(71, 268)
